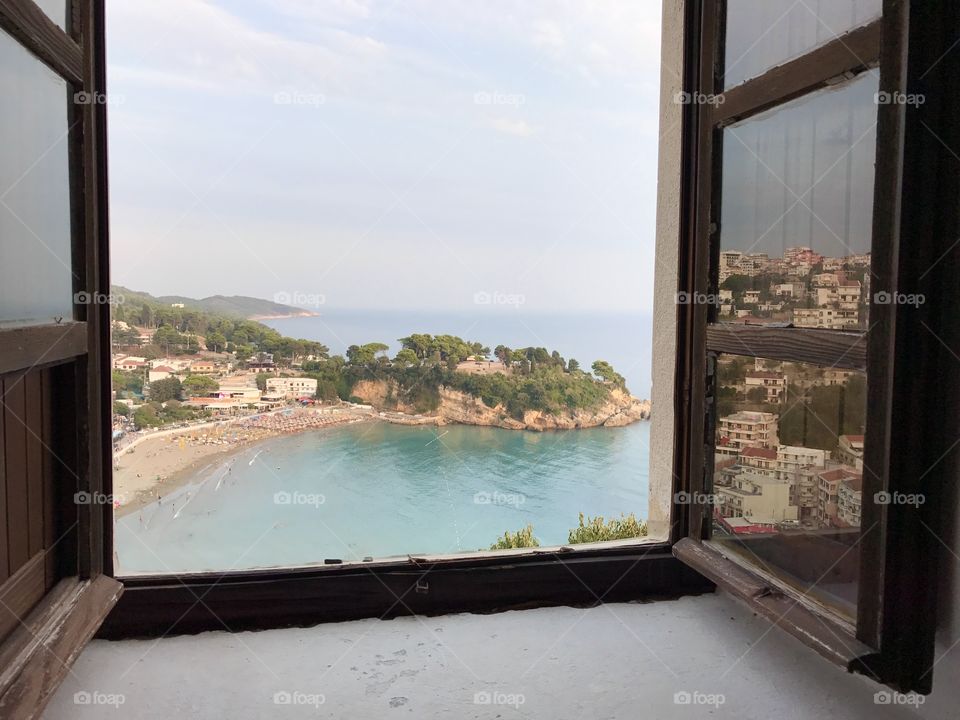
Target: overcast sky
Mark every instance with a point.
(396, 154)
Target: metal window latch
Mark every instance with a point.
(422, 587)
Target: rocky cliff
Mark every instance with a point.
(457, 407)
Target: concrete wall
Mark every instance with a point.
(665, 279)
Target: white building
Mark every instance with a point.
(296, 387)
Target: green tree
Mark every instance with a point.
(166, 389)
(146, 416)
(262, 382)
(520, 539)
(596, 530)
(216, 341)
(604, 370)
(407, 358)
(199, 385)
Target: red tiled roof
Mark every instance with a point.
(855, 483)
(853, 438)
(768, 453)
(841, 473)
(764, 374)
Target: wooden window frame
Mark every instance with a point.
(55, 623)
(914, 227)
(893, 639)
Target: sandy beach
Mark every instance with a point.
(158, 465)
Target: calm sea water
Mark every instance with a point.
(621, 339)
(379, 490)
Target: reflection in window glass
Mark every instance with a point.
(797, 210)
(35, 256)
(762, 34)
(788, 471)
(56, 10)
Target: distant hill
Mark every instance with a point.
(237, 306)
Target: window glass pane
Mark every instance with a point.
(56, 10)
(797, 210)
(762, 34)
(35, 255)
(788, 468)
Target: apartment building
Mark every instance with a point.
(292, 388)
(850, 451)
(745, 429)
(828, 500)
(751, 494)
(849, 501)
(774, 384)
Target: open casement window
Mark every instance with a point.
(820, 217)
(55, 584)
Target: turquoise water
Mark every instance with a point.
(379, 490)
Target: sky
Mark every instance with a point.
(402, 154)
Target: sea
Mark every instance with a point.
(376, 490)
(379, 490)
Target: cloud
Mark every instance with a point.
(518, 128)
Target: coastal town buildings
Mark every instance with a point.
(292, 388)
(850, 451)
(749, 494)
(828, 501)
(773, 385)
(746, 429)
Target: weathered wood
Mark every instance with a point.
(39, 653)
(30, 26)
(830, 639)
(33, 346)
(851, 53)
(4, 544)
(33, 418)
(828, 348)
(277, 598)
(917, 454)
(20, 593)
(15, 442)
(96, 273)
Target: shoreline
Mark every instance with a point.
(169, 460)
